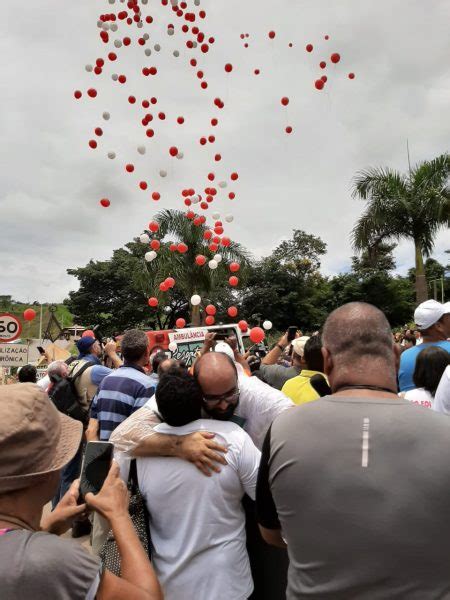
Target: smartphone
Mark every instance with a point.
(220, 336)
(95, 468)
(41, 350)
(292, 331)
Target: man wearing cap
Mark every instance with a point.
(276, 375)
(299, 389)
(36, 441)
(433, 321)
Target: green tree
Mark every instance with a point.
(287, 287)
(414, 206)
(437, 278)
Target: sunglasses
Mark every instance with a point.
(230, 397)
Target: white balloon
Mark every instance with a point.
(111, 1)
(157, 47)
(144, 238)
(106, 116)
(146, 36)
(167, 310)
(195, 198)
(194, 44)
(89, 68)
(114, 77)
(148, 52)
(170, 31)
(99, 24)
(197, 2)
(216, 215)
(195, 300)
(112, 155)
(105, 26)
(180, 155)
(173, 346)
(267, 325)
(223, 184)
(114, 27)
(141, 149)
(213, 264)
(140, 24)
(176, 53)
(217, 258)
(149, 256)
(163, 173)
(229, 218)
(118, 43)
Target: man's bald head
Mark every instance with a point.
(217, 375)
(357, 337)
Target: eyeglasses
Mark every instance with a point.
(230, 398)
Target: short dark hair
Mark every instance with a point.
(28, 374)
(134, 345)
(157, 360)
(179, 397)
(430, 366)
(409, 337)
(313, 353)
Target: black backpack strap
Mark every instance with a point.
(81, 371)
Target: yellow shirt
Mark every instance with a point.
(299, 389)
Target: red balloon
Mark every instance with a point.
(132, 99)
(98, 131)
(105, 202)
(309, 48)
(271, 34)
(180, 323)
(323, 64)
(153, 226)
(234, 267)
(228, 68)
(351, 76)
(200, 260)
(233, 281)
(29, 314)
(210, 320)
(170, 282)
(234, 176)
(285, 101)
(173, 151)
(207, 235)
(211, 309)
(226, 242)
(163, 287)
(155, 244)
(156, 196)
(92, 92)
(324, 78)
(88, 333)
(92, 144)
(143, 185)
(288, 129)
(182, 248)
(335, 58)
(77, 94)
(213, 247)
(173, 247)
(180, 120)
(232, 311)
(319, 84)
(129, 168)
(243, 326)
(257, 335)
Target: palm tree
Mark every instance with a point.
(414, 206)
(190, 278)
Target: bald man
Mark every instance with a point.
(356, 483)
(227, 395)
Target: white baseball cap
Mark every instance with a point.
(224, 348)
(429, 312)
(298, 345)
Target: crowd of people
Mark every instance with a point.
(313, 470)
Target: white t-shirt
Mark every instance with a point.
(197, 523)
(442, 396)
(419, 396)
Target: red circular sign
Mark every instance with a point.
(10, 327)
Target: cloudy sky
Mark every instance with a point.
(51, 181)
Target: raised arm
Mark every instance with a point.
(272, 357)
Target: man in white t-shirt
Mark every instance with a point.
(197, 523)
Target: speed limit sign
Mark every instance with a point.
(10, 327)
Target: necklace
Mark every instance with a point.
(375, 388)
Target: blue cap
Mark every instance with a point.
(84, 344)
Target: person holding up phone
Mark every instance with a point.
(36, 441)
(276, 375)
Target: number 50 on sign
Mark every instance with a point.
(10, 327)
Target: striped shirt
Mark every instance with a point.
(119, 395)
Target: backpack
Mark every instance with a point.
(65, 397)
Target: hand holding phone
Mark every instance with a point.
(292, 333)
(96, 465)
(113, 499)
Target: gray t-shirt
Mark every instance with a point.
(277, 375)
(360, 487)
(41, 566)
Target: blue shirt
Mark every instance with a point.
(408, 363)
(98, 372)
(119, 395)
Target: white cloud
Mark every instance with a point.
(51, 182)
